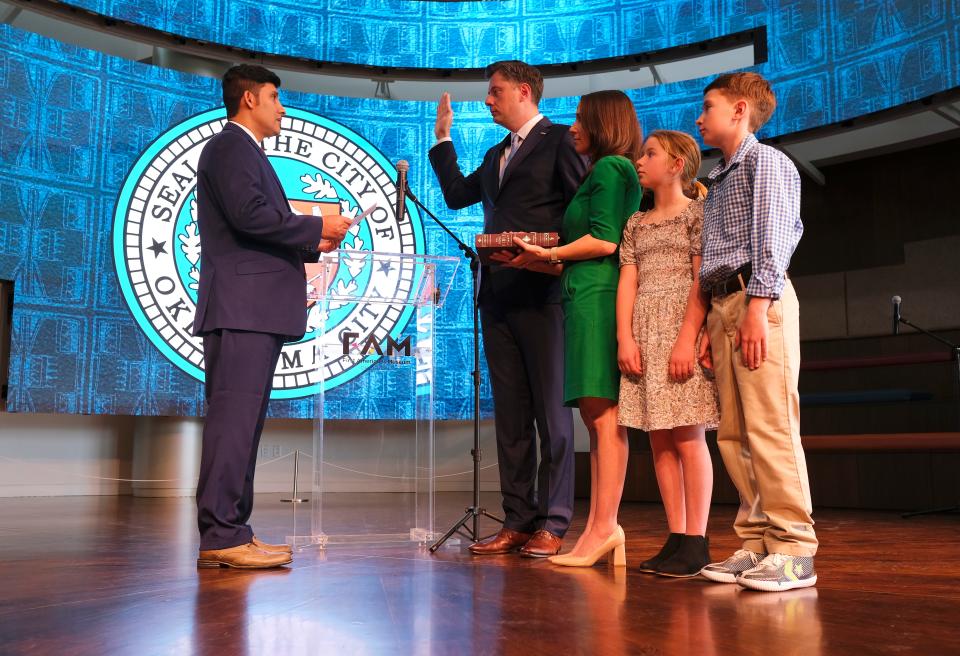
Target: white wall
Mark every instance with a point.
(62, 455)
(374, 447)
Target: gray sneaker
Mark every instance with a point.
(779, 572)
(732, 567)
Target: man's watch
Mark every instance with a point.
(553, 256)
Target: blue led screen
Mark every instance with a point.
(76, 122)
(840, 58)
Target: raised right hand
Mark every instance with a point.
(441, 129)
(335, 227)
(629, 358)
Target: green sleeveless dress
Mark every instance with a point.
(606, 199)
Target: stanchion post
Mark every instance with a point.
(295, 497)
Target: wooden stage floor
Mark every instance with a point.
(117, 575)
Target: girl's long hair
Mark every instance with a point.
(680, 145)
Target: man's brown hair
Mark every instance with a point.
(750, 87)
(519, 72)
(242, 78)
(611, 124)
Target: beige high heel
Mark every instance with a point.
(613, 548)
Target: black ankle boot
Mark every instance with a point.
(692, 556)
(668, 549)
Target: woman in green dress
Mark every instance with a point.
(608, 133)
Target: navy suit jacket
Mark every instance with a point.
(252, 245)
(538, 184)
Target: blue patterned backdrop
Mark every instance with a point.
(836, 59)
(74, 121)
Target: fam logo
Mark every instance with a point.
(325, 168)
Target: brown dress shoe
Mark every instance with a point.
(246, 556)
(505, 541)
(271, 548)
(542, 544)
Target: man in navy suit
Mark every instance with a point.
(525, 184)
(252, 298)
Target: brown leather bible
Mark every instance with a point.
(487, 245)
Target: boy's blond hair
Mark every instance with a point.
(750, 87)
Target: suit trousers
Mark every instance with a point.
(759, 432)
(524, 351)
(239, 376)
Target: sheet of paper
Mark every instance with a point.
(360, 217)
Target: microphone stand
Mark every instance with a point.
(955, 349)
(473, 513)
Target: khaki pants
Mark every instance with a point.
(759, 432)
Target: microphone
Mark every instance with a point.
(896, 300)
(402, 167)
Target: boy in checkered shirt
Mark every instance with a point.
(751, 227)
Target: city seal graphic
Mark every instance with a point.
(325, 168)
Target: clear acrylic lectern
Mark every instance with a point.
(375, 325)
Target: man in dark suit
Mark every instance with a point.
(525, 184)
(252, 298)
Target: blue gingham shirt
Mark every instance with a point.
(752, 215)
